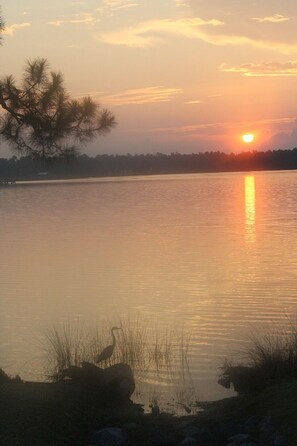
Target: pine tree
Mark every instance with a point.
(40, 118)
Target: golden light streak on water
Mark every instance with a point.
(250, 208)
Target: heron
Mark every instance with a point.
(108, 351)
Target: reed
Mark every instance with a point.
(155, 356)
(275, 354)
(65, 345)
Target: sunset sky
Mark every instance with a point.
(180, 75)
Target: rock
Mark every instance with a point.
(252, 421)
(184, 424)
(159, 437)
(133, 427)
(119, 380)
(225, 382)
(204, 435)
(87, 374)
(267, 427)
(133, 431)
(112, 436)
(239, 439)
(116, 382)
(244, 379)
(251, 426)
(189, 441)
(280, 441)
(192, 431)
(227, 429)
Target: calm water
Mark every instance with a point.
(213, 253)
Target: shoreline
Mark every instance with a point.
(68, 414)
(132, 177)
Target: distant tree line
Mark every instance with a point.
(146, 164)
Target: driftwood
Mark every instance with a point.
(116, 381)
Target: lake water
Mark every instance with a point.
(212, 254)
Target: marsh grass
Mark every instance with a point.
(275, 354)
(64, 346)
(268, 357)
(155, 357)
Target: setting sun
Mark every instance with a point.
(248, 137)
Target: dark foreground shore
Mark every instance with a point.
(65, 414)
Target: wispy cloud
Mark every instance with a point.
(195, 101)
(119, 4)
(288, 68)
(83, 18)
(221, 127)
(144, 34)
(149, 33)
(275, 18)
(10, 30)
(109, 7)
(182, 3)
(146, 95)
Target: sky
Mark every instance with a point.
(180, 75)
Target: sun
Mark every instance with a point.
(248, 137)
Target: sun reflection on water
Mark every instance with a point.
(250, 208)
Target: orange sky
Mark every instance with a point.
(180, 75)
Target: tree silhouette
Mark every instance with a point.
(42, 120)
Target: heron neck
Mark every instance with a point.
(113, 338)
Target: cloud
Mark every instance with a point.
(83, 18)
(143, 34)
(10, 30)
(109, 7)
(119, 4)
(285, 139)
(182, 3)
(148, 34)
(146, 95)
(264, 69)
(275, 18)
(222, 127)
(195, 101)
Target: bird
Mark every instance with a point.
(108, 351)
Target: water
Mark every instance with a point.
(214, 254)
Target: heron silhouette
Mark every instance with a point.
(108, 351)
